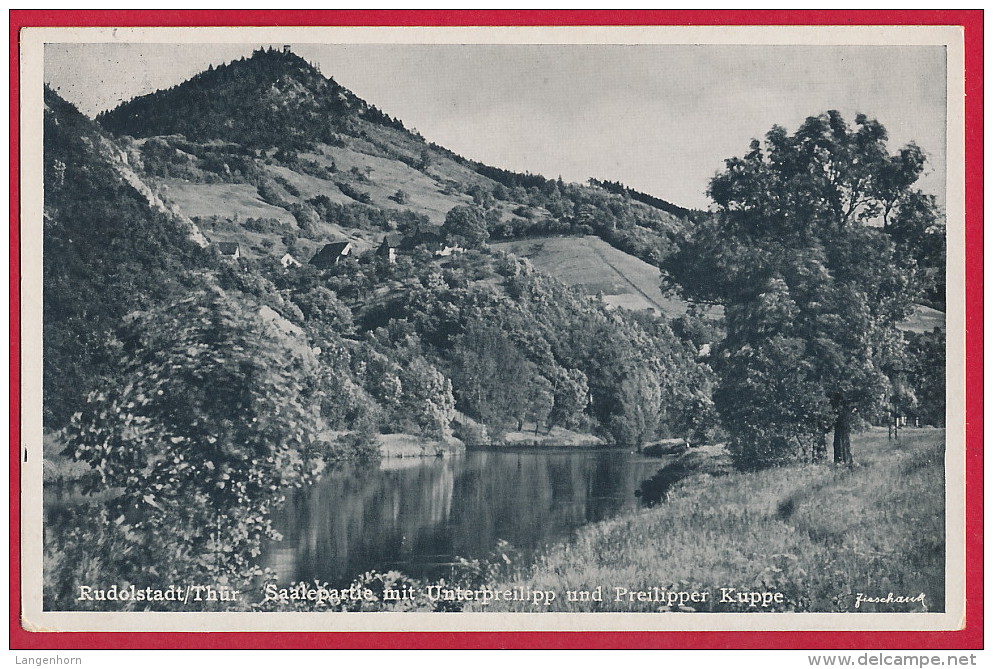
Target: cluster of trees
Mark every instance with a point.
(617, 188)
(361, 217)
(557, 208)
(353, 192)
(508, 178)
(808, 254)
(291, 159)
(532, 350)
(369, 387)
(210, 162)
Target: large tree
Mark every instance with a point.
(465, 225)
(800, 253)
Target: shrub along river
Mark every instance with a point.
(417, 514)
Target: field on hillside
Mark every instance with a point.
(309, 186)
(924, 319)
(625, 281)
(818, 534)
(384, 177)
(595, 266)
(225, 200)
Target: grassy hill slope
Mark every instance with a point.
(227, 200)
(597, 267)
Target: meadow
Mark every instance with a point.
(597, 267)
(817, 533)
(225, 200)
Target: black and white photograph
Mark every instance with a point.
(660, 324)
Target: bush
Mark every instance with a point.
(472, 433)
(211, 413)
(353, 193)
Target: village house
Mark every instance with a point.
(229, 249)
(388, 249)
(428, 236)
(288, 261)
(331, 254)
(432, 238)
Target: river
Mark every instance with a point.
(417, 514)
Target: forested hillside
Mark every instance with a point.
(107, 252)
(274, 99)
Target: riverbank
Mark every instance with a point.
(557, 437)
(817, 534)
(415, 446)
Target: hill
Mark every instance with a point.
(375, 322)
(274, 98)
(271, 138)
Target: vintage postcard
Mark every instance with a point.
(576, 328)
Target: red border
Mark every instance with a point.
(969, 638)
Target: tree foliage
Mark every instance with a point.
(107, 252)
(522, 347)
(213, 407)
(212, 413)
(924, 375)
(465, 226)
(489, 374)
(804, 253)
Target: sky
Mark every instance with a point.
(659, 118)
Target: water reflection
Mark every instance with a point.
(415, 515)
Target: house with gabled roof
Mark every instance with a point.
(429, 236)
(229, 249)
(331, 254)
(388, 249)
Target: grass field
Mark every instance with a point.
(597, 267)
(385, 177)
(309, 186)
(818, 534)
(225, 200)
